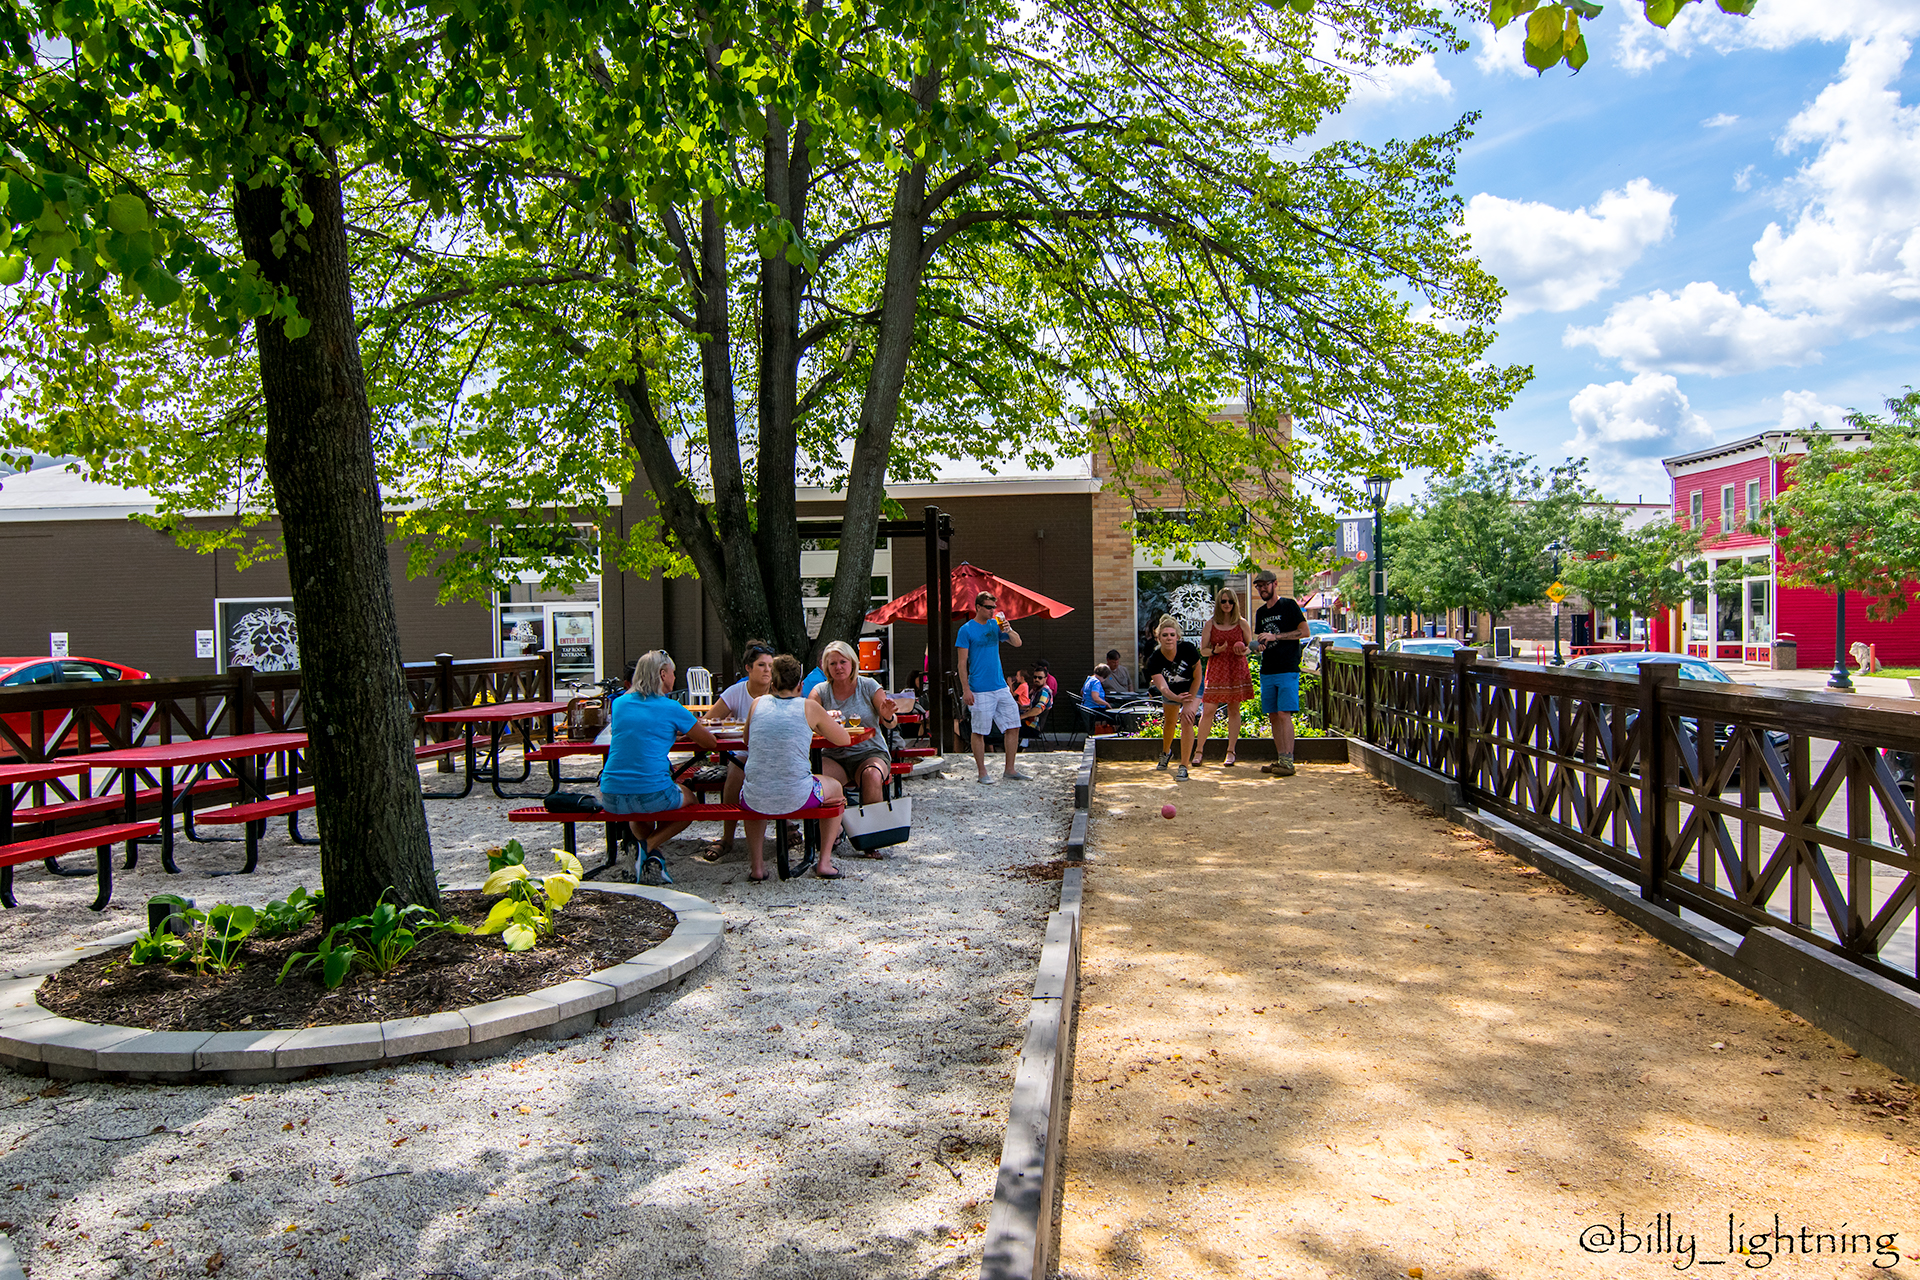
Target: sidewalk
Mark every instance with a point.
(1324, 1033)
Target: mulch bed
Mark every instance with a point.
(446, 971)
(1041, 872)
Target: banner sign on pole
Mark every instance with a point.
(1356, 538)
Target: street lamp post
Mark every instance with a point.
(1840, 680)
(1377, 491)
(1556, 547)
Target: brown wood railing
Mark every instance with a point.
(1748, 806)
(42, 721)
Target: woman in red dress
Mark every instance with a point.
(1224, 645)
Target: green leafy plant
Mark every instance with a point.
(282, 917)
(376, 942)
(526, 910)
(224, 929)
(161, 945)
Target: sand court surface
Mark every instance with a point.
(1323, 1032)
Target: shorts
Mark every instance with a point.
(814, 801)
(996, 710)
(613, 802)
(1280, 692)
(854, 759)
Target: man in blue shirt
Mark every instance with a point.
(984, 687)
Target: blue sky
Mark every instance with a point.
(1708, 232)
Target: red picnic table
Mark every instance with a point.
(554, 752)
(240, 751)
(496, 716)
(47, 849)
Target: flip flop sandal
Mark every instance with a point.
(714, 854)
(759, 879)
(828, 875)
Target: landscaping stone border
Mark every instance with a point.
(36, 1042)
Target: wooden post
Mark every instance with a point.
(240, 714)
(1326, 686)
(443, 701)
(936, 683)
(1465, 702)
(1366, 691)
(1659, 811)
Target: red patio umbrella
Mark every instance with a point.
(968, 582)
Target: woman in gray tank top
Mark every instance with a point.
(860, 700)
(780, 732)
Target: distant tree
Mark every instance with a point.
(1639, 571)
(1850, 518)
(1480, 539)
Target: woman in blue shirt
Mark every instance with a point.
(638, 777)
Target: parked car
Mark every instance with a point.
(1690, 669)
(19, 673)
(1310, 651)
(1429, 646)
(1318, 627)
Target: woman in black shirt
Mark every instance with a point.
(1172, 669)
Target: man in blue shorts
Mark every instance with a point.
(1279, 625)
(984, 687)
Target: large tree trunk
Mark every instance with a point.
(319, 454)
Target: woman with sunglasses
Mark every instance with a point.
(733, 705)
(637, 778)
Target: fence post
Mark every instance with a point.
(1659, 811)
(546, 675)
(1463, 709)
(1366, 690)
(1326, 688)
(241, 713)
(443, 701)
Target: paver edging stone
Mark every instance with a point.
(36, 1041)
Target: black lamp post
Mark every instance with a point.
(1377, 491)
(1556, 547)
(1840, 680)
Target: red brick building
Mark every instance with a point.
(1715, 490)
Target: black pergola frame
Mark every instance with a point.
(935, 530)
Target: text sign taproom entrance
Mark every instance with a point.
(530, 619)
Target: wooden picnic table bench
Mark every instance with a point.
(616, 824)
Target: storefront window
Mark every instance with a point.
(1759, 612)
(1187, 594)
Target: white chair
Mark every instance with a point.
(699, 687)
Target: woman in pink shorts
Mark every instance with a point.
(780, 730)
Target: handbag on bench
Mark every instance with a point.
(571, 802)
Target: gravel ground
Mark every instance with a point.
(825, 1097)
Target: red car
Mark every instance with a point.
(17, 673)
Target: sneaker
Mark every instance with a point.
(1181, 773)
(654, 871)
(1165, 756)
(1282, 767)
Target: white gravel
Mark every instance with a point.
(824, 1098)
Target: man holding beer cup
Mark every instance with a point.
(984, 687)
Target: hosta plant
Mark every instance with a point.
(527, 905)
(289, 915)
(376, 942)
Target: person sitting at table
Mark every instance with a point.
(732, 706)
(858, 698)
(1021, 687)
(1040, 701)
(780, 778)
(637, 777)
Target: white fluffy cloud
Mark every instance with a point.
(1720, 121)
(1800, 410)
(1420, 78)
(1499, 52)
(1623, 429)
(1557, 259)
(1641, 45)
(1846, 264)
(1701, 329)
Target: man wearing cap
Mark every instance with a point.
(984, 687)
(1279, 625)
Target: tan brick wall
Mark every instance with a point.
(1114, 623)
